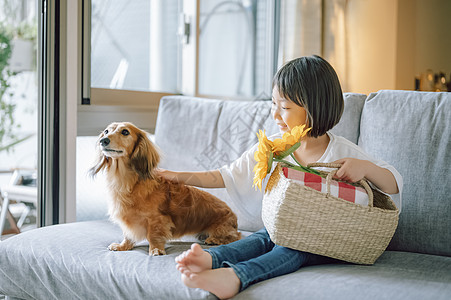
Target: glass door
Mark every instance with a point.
(18, 115)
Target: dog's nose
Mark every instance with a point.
(105, 142)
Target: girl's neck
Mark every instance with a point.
(312, 149)
(311, 142)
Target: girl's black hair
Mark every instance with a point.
(312, 83)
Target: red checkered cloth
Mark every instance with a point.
(338, 189)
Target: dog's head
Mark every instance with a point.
(124, 141)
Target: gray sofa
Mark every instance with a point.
(410, 130)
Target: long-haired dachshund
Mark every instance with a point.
(148, 206)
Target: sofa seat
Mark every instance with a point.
(395, 275)
(81, 267)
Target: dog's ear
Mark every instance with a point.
(145, 157)
(101, 161)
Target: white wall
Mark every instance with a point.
(372, 39)
(392, 41)
(433, 36)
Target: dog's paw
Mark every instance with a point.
(157, 252)
(212, 241)
(116, 247)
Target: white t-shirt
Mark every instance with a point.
(238, 176)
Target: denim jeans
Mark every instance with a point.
(257, 258)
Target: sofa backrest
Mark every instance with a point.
(412, 131)
(349, 125)
(197, 134)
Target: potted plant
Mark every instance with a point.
(8, 123)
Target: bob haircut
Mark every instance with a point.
(312, 83)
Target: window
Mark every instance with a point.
(131, 58)
(134, 45)
(236, 53)
(212, 48)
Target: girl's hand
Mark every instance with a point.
(204, 179)
(352, 169)
(170, 175)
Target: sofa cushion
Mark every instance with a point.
(411, 131)
(349, 125)
(72, 261)
(395, 275)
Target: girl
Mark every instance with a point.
(305, 91)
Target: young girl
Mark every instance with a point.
(305, 91)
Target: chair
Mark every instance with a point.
(21, 189)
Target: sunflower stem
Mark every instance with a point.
(284, 162)
(294, 158)
(299, 167)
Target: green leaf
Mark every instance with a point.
(270, 160)
(18, 141)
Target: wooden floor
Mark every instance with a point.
(30, 223)
(23, 229)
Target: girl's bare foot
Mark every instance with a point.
(222, 282)
(195, 259)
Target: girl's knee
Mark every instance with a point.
(303, 257)
(263, 234)
(260, 240)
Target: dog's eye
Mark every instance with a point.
(125, 132)
(106, 131)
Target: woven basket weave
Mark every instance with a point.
(305, 219)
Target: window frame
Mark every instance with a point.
(106, 104)
(189, 69)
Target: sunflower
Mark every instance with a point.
(264, 158)
(268, 151)
(289, 142)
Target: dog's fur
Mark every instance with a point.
(148, 206)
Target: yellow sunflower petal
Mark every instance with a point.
(278, 145)
(263, 156)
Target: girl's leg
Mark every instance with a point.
(250, 247)
(279, 261)
(227, 281)
(196, 259)
(195, 265)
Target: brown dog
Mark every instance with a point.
(148, 206)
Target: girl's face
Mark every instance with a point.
(286, 113)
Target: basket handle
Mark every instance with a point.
(331, 174)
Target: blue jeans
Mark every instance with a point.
(257, 258)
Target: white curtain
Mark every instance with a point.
(310, 27)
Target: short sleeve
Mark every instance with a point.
(238, 180)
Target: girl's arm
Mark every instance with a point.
(354, 170)
(206, 179)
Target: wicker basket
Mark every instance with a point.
(304, 219)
